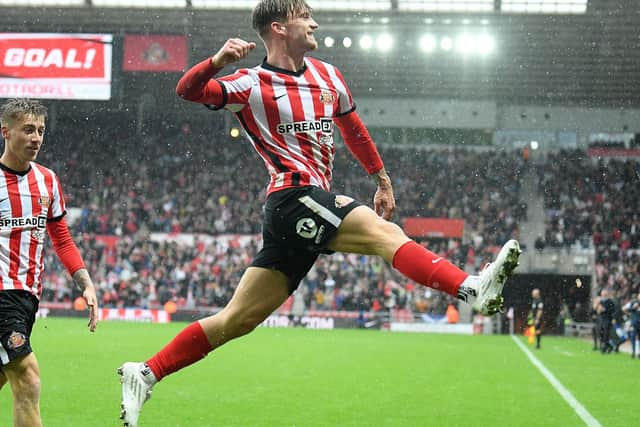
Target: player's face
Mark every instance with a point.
(300, 31)
(23, 139)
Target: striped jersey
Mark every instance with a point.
(27, 201)
(288, 117)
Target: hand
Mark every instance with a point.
(232, 51)
(383, 201)
(90, 298)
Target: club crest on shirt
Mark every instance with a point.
(16, 340)
(326, 97)
(44, 201)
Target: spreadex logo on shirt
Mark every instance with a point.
(28, 221)
(37, 225)
(324, 125)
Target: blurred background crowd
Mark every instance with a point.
(123, 191)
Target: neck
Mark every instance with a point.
(14, 164)
(281, 57)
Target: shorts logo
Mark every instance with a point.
(326, 97)
(307, 228)
(16, 340)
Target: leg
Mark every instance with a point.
(605, 338)
(259, 293)
(362, 231)
(23, 375)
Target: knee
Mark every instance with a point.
(392, 229)
(389, 237)
(385, 231)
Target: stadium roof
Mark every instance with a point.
(586, 59)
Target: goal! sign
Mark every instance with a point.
(55, 66)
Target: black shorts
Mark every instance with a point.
(17, 315)
(298, 224)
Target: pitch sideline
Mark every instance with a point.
(580, 410)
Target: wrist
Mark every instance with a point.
(382, 179)
(214, 61)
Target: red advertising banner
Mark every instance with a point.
(55, 66)
(434, 227)
(613, 152)
(154, 53)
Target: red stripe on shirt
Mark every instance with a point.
(273, 118)
(297, 109)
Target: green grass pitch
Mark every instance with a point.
(307, 378)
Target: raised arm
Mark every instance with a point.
(197, 83)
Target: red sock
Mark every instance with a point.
(189, 346)
(427, 268)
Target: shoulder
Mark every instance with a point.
(43, 169)
(50, 178)
(240, 73)
(320, 64)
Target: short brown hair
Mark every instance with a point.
(15, 108)
(268, 11)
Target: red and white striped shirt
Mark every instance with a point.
(27, 202)
(288, 117)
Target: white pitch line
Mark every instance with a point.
(580, 410)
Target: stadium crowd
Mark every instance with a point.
(131, 188)
(596, 203)
(180, 183)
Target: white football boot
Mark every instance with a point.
(484, 291)
(137, 381)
